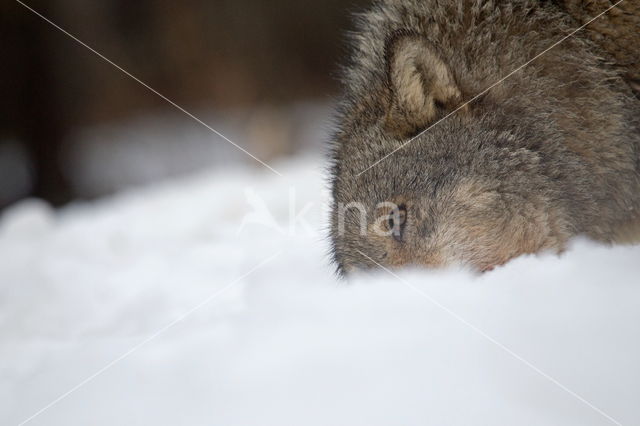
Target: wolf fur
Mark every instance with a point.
(550, 153)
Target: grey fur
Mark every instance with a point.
(551, 153)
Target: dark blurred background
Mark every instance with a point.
(68, 120)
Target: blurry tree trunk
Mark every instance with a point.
(34, 114)
(47, 126)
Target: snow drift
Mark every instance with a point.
(211, 301)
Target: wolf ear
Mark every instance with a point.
(422, 85)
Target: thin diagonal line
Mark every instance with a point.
(492, 340)
(148, 339)
(489, 88)
(133, 77)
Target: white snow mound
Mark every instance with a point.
(211, 301)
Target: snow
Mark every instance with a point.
(210, 300)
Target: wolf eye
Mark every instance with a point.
(439, 104)
(396, 222)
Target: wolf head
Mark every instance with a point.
(423, 177)
(476, 134)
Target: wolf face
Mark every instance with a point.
(470, 198)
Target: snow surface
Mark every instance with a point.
(163, 281)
